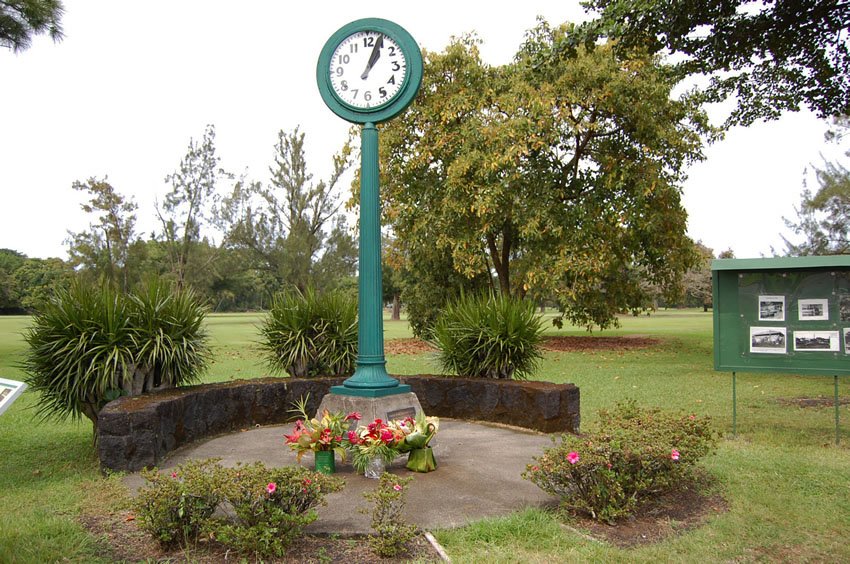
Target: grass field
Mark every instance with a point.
(786, 484)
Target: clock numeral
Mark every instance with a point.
(339, 71)
(353, 47)
(382, 91)
(392, 52)
(368, 42)
(343, 85)
(367, 96)
(344, 60)
(396, 66)
(354, 96)
(391, 80)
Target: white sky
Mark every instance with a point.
(131, 83)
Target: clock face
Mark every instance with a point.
(367, 70)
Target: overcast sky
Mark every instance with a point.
(131, 83)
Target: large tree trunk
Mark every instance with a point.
(396, 307)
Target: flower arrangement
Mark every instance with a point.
(317, 435)
(386, 440)
(379, 440)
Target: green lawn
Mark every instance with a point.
(786, 483)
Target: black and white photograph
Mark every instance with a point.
(844, 308)
(771, 308)
(770, 340)
(846, 341)
(813, 310)
(818, 341)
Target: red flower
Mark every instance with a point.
(387, 436)
(353, 415)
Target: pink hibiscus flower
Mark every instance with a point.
(572, 457)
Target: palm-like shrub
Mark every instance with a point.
(309, 334)
(487, 336)
(89, 345)
(169, 334)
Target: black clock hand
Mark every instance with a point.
(373, 58)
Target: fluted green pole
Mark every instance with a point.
(370, 379)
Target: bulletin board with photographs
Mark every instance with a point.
(782, 315)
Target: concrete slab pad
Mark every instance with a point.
(478, 475)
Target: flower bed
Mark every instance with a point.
(138, 432)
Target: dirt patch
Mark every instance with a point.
(573, 344)
(560, 344)
(407, 346)
(685, 507)
(106, 515)
(820, 401)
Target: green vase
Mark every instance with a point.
(421, 460)
(324, 462)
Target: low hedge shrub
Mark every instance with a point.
(261, 510)
(634, 453)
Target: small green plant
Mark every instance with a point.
(91, 344)
(174, 507)
(488, 336)
(635, 453)
(309, 334)
(391, 532)
(271, 506)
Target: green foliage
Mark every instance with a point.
(392, 533)
(175, 507)
(770, 56)
(308, 334)
(823, 218)
(271, 506)
(91, 344)
(286, 225)
(635, 452)
(561, 175)
(185, 209)
(21, 19)
(103, 250)
(487, 336)
(169, 334)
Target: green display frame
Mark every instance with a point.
(789, 315)
(406, 94)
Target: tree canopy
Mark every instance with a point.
(561, 174)
(772, 56)
(823, 218)
(21, 19)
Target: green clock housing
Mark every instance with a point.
(369, 71)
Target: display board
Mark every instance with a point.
(782, 315)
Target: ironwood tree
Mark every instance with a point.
(20, 20)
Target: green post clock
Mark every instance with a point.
(368, 72)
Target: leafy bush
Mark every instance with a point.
(487, 336)
(272, 506)
(635, 453)
(91, 344)
(391, 532)
(176, 506)
(309, 334)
